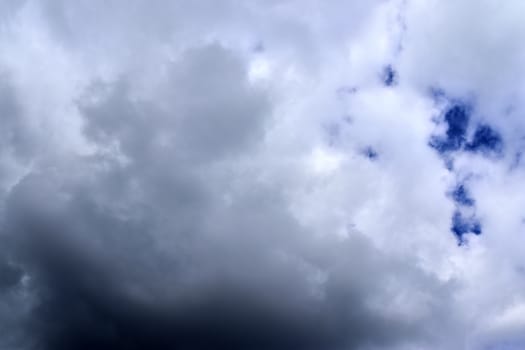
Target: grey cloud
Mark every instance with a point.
(10, 275)
(207, 110)
(175, 247)
(16, 136)
(101, 281)
(205, 208)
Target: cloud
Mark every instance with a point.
(261, 175)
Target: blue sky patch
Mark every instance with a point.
(485, 140)
(389, 76)
(462, 225)
(457, 118)
(461, 196)
(370, 153)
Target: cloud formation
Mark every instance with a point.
(261, 175)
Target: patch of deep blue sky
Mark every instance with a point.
(456, 119)
(463, 220)
(485, 141)
(370, 153)
(389, 76)
(482, 139)
(461, 196)
(463, 224)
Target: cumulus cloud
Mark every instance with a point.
(261, 175)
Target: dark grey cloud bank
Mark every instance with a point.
(249, 175)
(136, 246)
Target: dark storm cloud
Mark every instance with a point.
(162, 240)
(10, 275)
(102, 282)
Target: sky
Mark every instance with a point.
(262, 175)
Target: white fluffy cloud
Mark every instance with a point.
(261, 175)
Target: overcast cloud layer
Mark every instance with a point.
(262, 174)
